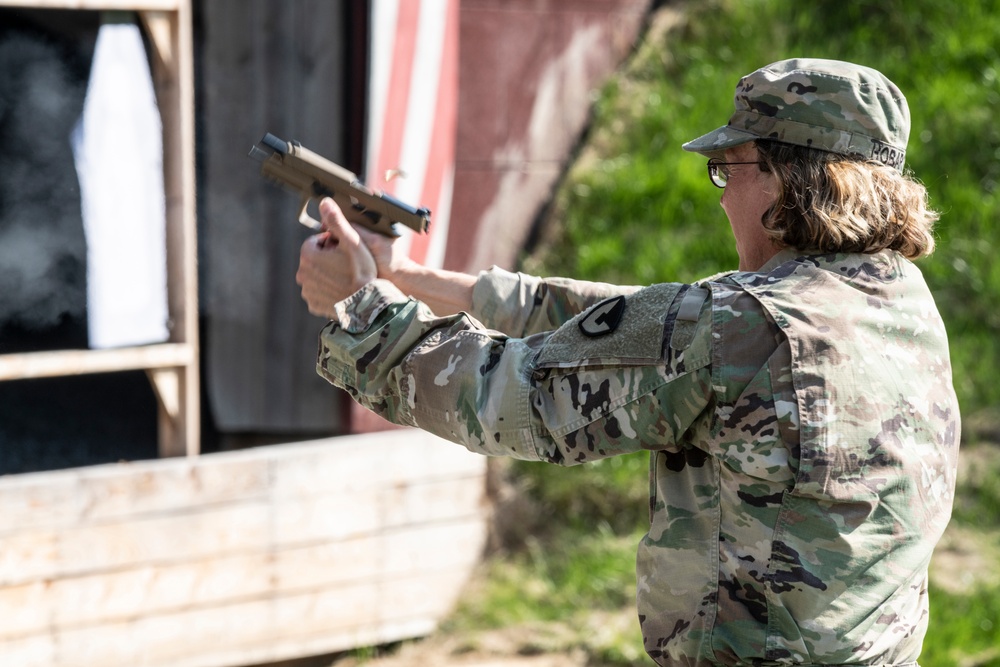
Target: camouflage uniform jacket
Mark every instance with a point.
(801, 422)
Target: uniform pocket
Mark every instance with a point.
(822, 576)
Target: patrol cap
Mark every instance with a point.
(829, 105)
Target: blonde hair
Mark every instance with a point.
(834, 203)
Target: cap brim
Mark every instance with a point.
(715, 143)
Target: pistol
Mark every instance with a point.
(315, 177)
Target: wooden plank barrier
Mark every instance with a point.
(240, 557)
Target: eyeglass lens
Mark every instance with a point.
(717, 174)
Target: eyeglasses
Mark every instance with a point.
(718, 171)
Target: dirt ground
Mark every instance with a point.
(437, 652)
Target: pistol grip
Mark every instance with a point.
(305, 218)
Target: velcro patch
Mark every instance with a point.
(603, 318)
(635, 340)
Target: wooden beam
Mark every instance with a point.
(159, 27)
(173, 76)
(228, 579)
(96, 5)
(30, 365)
(174, 411)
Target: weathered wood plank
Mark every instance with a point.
(173, 42)
(348, 514)
(121, 596)
(155, 489)
(268, 629)
(129, 5)
(37, 651)
(375, 459)
(159, 589)
(321, 642)
(67, 498)
(392, 554)
(279, 550)
(98, 494)
(232, 529)
(28, 557)
(218, 531)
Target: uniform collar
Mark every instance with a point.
(784, 255)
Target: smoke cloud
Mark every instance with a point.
(43, 252)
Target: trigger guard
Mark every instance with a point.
(306, 219)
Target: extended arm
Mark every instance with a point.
(337, 262)
(559, 397)
(515, 303)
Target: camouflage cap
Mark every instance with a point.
(830, 105)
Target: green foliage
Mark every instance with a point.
(611, 492)
(965, 626)
(557, 579)
(564, 593)
(977, 499)
(965, 629)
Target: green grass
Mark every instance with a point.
(557, 579)
(569, 585)
(636, 209)
(965, 629)
(977, 500)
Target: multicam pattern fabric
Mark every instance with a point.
(826, 104)
(801, 422)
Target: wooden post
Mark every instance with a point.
(173, 74)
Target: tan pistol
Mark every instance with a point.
(314, 177)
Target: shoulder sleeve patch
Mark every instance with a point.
(603, 318)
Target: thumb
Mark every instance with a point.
(335, 222)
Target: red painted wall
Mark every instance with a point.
(527, 71)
